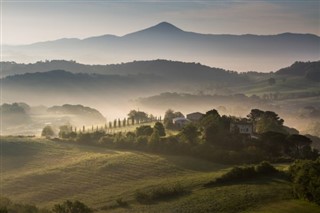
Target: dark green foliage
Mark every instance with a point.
(159, 193)
(308, 69)
(237, 174)
(266, 121)
(274, 143)
(190, 133)
(159, 126)
(47, 132)
(138, 116)
(300, 147)
(7, 206)
(91, 137)
(119, 203)
(71, 207)
(122, 203)
(66, 132)
(154, 139)
(144, 130)
(305, 176)
(245, 173)
(106, 140)
(265, 168)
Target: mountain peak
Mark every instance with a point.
(161, 28)
(165, 26)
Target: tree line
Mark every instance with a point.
(210, 138)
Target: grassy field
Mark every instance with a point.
(283, 85)
(45, 173)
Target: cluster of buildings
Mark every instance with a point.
(241, 127)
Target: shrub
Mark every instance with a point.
(106, 140)
(237, 173)
(71, 207)
(244, 173)
(121, 203)
(159, 193)
(265, 168)
(305, 176)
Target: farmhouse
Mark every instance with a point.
(242, 128)
(180, 122)
(195, 116)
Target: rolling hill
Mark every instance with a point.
(46, 172)
(309, 70)
(166, 41)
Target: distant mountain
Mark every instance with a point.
(152, 67)
(310, 70)
(119, 83)
(19, 118)
(158, 69)
(166, 41)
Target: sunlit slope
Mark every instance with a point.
(45, 173)
(283, 85)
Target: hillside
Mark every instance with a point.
(166, 41)
(115, 85)
(309, 70)
(46, 173)
(20, 118)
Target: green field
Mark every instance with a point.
(283, 85)
(45, 173)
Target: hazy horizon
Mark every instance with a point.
(46, 21)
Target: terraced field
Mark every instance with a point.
(45, 173)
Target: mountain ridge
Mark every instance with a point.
(233, 52)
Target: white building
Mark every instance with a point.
(180, 121)
(242, 128)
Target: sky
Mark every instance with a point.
(30, 21)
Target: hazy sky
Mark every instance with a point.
(26, 21)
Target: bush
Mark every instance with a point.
(237, 173)
(265, 168)
(106, 140)
(244, 173)
(159, 193)
(47, 132)
(71, 207)
(122, 203)
(7, 206)
(305, 176)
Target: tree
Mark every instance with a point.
(138, 116)
(298, 142)
(266, 121)
(190, 133)
(154, 139)
(159, 126)
(255, 115)
(274, 143)
(169, 116)
(66, 132)
(47, 132)
(71, 207)
(144, 130)
(305, 176)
